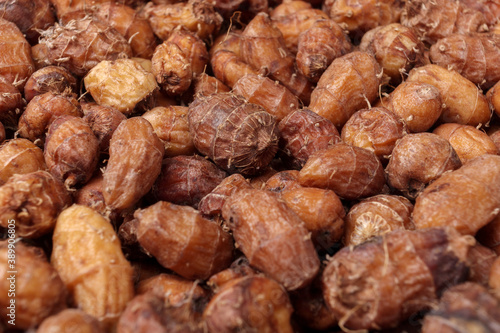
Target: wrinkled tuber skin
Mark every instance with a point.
(172, 68)
(480, 260)
(489, 235)
(494, 278)
(318, 46)
(42, 110)
(33, 200)
(87, 255)
(302, 133)
(376, 216)
(238, 136)
(123, 84)
(135, 155)
(183, 241)
(466, 306)
(419, 159)
(82, 43)
(349, 84)
(143, 314)
(16, 64)
(263, 48)
(476, 57)
(39, 291)
(11, 104)
(239, 268)
(103, 120)
(419, 104)
(493, 97)
(205, 85)
(396, 48)
(272, 236)
(409, 268)
(490, 9)
(197, 16)
(293, 18)
(64, 7)
(70, 321)
(376, 129)
(464, 102)
(436, 19)
(271, 95)
(212, 203)
(171, 125)
(468, 141)
(129, 24)
(249, 304)
(51, 78)
(448, 200)
(193, 48)
(351, 172)
(185, 180)
(71, 150)
(19, 156)
(359, 16)
(281, 181)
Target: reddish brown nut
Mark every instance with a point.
(82, 42)
(238, 136)
(272, 237)
(16, 64)
(337, 101)
(171, 125)
(376, 129)
(193, 48)
(480, 260)
(11, 104)
(87, 255)
(103, 120)
(172, 68)
(144, 313)
(282, 180)
(419, 159)
(318, 46)
(205, 85)
(272, 96)
(489, 235)
(377, 216)
(135, 155)
(467, 305)
(39, 291)
(465, 199)
(259, 181)
(51, 78)
(493, 97)
(321, 211)
(304, 132)
(71, 150)
(351, 172)
(494, 278)
(183, 241)
(41, 112)
(70, 321)
(246, 9)
(33, 200)
(19, 156)
(249, 304)
(418, 104)
(238, 269)
(356, 280)
(490, 10)
(185, 180)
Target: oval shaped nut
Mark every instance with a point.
(349, 84)
(51, 78)
(144, 313)
(172, 68)
(88, 256)
(249, 304)
(281, 181)
(12, 104)
(464, 102)
(351, 172)
(419, 159)
(70, 321)
(238, 136)
(135, 155)
(183, 241)
(193, 47)
(39, 291)
(71, 150)
(33, 200)
(466, 199)
(272, 236)
(205, 85)
(20, 156)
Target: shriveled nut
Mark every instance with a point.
(283, 180)
(88, 257)
(11, 104)
(238, 269)
(183, 241)
(144, 313)
(419, 159)
(33, 200)
(39, 291)
(172, 68)
(249, 304)
(70, 321)
(205, 85)
(90, 195)
(193, 48)
(376, 216)
(51, 78)
(123, 84)
(19, 156)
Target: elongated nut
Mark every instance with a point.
(19, 156)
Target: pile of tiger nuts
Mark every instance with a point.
(253, 166)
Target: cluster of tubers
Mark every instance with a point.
(271, 166)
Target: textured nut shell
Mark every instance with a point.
(193, 48)
(143, 314)
(103, 120)
(88, 257)
(171, 68)
(51, 78)
(70, 321)
(19, 156)
(282, 180)
(205, 85)
(11, 104)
